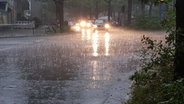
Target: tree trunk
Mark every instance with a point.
(129, 12)
(90, 15)
(179, 55)
(96, 9)
(142, 8)
(109, 10)
(161, 11)
(1, 18)
(60, 12)
(113, 14)
(119, 18)
(150, 8)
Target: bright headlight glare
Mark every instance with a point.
(95, 26)
(77, 28)
(107, 26)
(82, 23)
(88, 25)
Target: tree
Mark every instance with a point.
(150, 2)
(59, 12)
(179, 55)
(21, 6)
(129, 12)
(96, 9)
(84, 8)
(109, 8)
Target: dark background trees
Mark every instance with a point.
(179, 55)
(122, 11)
(129, 12)
(109, 9)
(59, 12)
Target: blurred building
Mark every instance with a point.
(37, 9)
(7, 12)
(22, 10)
(12, 10)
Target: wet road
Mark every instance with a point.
(72, 68)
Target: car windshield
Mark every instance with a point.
(99, 21)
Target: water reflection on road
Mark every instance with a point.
(107, 38)
(96, 42)
(80, 68)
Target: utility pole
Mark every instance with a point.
(179, 55)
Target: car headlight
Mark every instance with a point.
(107, 26)
(88, 25)
(95, 26)
(82, 23)
(77, 28)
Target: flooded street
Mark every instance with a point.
(71, 68)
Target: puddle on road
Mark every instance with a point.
(46, 63)
(68, 73)
(52, 75)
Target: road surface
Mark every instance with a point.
(70, 68)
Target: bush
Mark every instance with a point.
(157, 69)
(154, 82)
(174, 92)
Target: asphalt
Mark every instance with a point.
(74, 68)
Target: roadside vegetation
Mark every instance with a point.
(154, 83)
(146, 22)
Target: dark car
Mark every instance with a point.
(101, 25)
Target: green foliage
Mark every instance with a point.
(174, 92)
(155, 1)
(157, 69)
(153, 83)
(146, 22)
(169, 24)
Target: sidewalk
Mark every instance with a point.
(13, 33)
